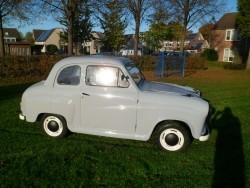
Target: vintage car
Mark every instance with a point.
(109, 96)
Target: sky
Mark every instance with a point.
(50, 23)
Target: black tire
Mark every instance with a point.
(54, 125)
(172, 136)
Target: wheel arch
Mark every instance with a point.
(40, 116)
(162, 123)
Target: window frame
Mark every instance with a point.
(64, 83)
(232, 35)
(230, 55)
(118, 80)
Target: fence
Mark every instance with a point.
(170, 64)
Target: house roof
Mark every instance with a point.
(197, 45)
(194, 36)
(45, 35)
(129, 41)
(227, 21)
(37, 33)
(10, 32)
(97, 35)
(191, 36)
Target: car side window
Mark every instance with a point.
(105, 76)
(70, 75)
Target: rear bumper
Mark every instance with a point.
(21, 116)
(205, 134)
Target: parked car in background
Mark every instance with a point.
(109, 96)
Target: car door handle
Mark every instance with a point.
(85, 94)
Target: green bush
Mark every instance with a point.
(52, 49)
(210, 54)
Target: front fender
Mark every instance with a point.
(190, 110)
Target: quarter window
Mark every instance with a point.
(69, 76)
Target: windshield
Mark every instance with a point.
(135, 73)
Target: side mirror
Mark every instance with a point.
(124, 81)
(124, 77)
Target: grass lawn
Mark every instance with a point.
(30, 159)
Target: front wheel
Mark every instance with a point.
(173, 137)
(54, 125)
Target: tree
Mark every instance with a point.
(68, 10)
(29, 38)
(111, 17)
(243, 20)
(206, 30)
(190, 12)
(159, 15)
(82, 25)
(15, 9)
(138, 9)
(20, 36)
(156, 34)
(160, 31)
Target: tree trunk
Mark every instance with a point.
(182, 42)
(248, 61)
(2, 51)
(137, 32)
(70, 34)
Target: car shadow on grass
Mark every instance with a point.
(229, 161)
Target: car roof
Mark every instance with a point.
(94, 59)
(89, 60)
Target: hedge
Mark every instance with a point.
(26, 67)
(40, 66)
(210, 55)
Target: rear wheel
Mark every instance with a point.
(54, 125)
(172, 136)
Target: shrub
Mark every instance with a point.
(52, 49)
(39, 66)
(26, 67)
(235, 66)
(210, 54)
(195, 62)
(146, 63)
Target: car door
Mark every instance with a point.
(108, 103)
(66, 94)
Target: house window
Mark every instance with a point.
(232, 35)
(228, 55)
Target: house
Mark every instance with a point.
(196, 46)
(10, 35)
(12, 44)
(37, 32)
(47, 37)
(225, 38)
(93, 46)
(194, 43)
(128, 46)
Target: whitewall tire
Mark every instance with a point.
(172, 136)
(54, 125)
